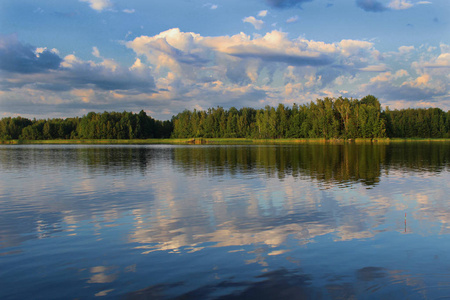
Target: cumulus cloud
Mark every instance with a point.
(293, 19)
(355, 54)
(78, 87)
(262, 13)
(274, 47)
(98, 5)
(41, 69)
(176, 52)
(424, 80)
(406, 92)
(258, 24)
(234, 70)
(400, 4)
(440, 62)
(434, 64)
(129, 11)
(197, 68)
(405, 49)
(16, 57)
(174, 70)
(107, 75)
(401, 87)
(374, 68)
(191, 55)
(286, 3)
(388, 76)
(377, 6)
(96, 52)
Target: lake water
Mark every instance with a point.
(225, 222)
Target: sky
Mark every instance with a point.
(66, 58)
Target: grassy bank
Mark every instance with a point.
(218, 141)
(318, 141)
(411, 140)
(96, 141)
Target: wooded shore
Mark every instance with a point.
(329, 120)
(218, 141)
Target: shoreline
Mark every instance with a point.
(219, 141)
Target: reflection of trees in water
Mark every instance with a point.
(340, 164)
(418, 156)
(99, 159)
(117, 159)
(325, 163)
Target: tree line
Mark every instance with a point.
(325, 118)
(107, 125)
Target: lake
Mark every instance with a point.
(360, 221)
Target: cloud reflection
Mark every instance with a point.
(102, 274)
(266, 207)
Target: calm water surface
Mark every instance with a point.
(225, 222)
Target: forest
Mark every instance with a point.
(329, 118)
(107, 125)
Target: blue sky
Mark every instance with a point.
(67, 58)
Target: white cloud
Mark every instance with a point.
(421, 81)
(292, 19)
(400, 4)
(98, 5)
(437, 65)
(442, 61)
(401, 73)
(176, 69)
(258, 24)
(377, 6)
(189, 54)
(401, 87)
(86, 95)
(388, 76)
(129, 10)
(107, 75)
(196, 69)
(405, 49)
(413, 83)
(95, 52)
(353, 47)
(262, 13)
(374, 68)
(137, 65)
(40, 50)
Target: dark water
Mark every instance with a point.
(225, 222)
